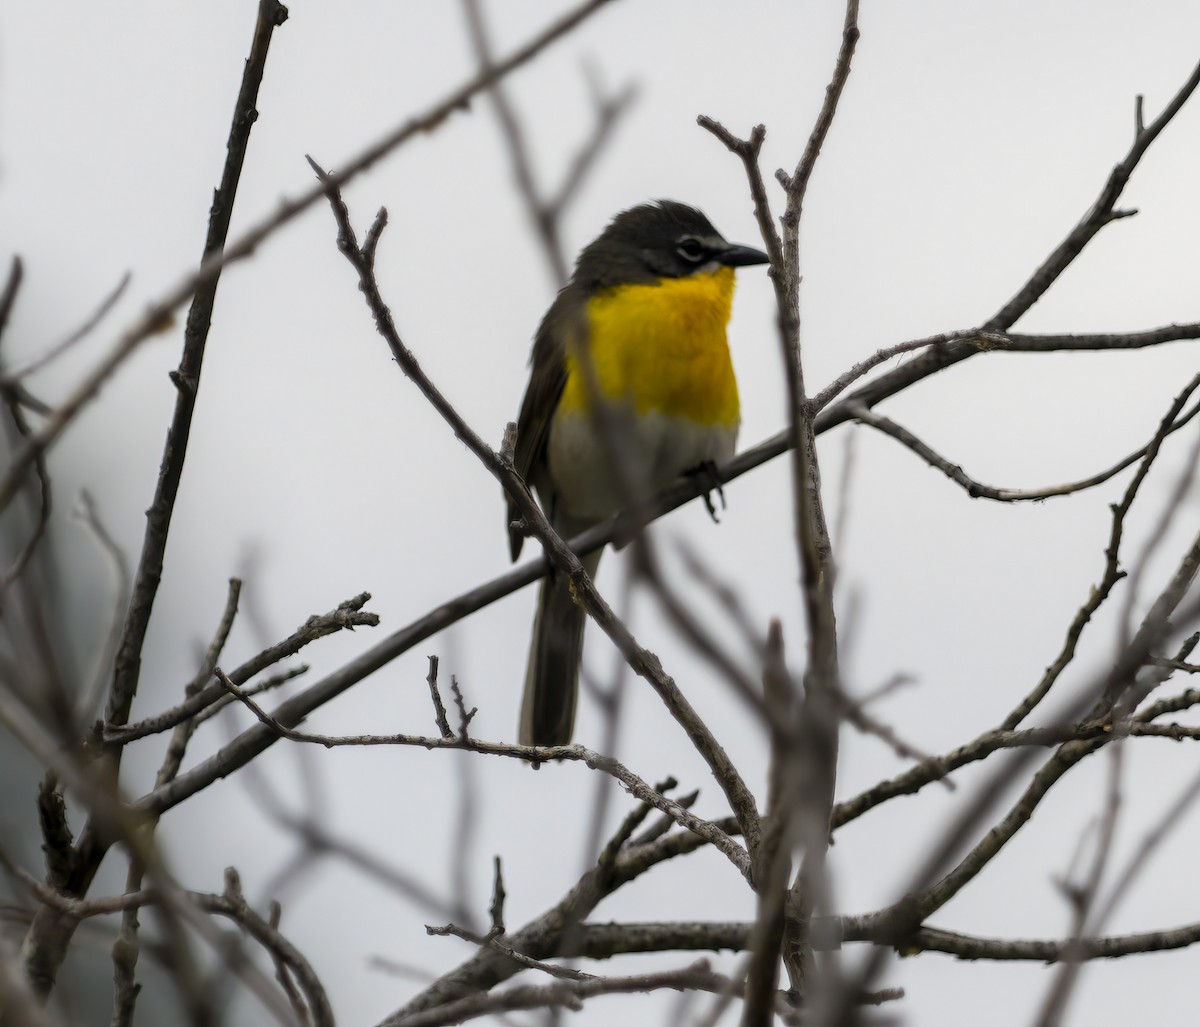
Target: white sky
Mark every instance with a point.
(971, 138)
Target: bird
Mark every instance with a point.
(631, 386)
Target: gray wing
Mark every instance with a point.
(547, 378)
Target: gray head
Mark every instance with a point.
(657, 240)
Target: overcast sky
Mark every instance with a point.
(971, 137)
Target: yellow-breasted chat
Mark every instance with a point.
(631, 385)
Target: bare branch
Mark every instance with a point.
(158, 314)
(1083, 898)
(602, 941)
(978, 490)
(496, 909)
(492, 941)
(847, 378)
(439, 708)
(797, 185)
(46, 943)
(125, 949)
(233, 905)
(963, 946)
(1102, 211)
(643, 662)
(609, 109)
(283, 973)
(635, 785)
(556, 931)
(1014, 342)
(570, 994)
(16, 399)
(212, 697)
(544, 213)
(80, 333)
(1112, 572)
(8, 298)
(544, 222)
(266, 685)
(93, 688)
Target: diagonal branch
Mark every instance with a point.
(643, 662)
(158, 314)
(1102, 212)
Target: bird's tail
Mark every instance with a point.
(552, 676)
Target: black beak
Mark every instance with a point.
(741, 256)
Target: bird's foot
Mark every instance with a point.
(707, 471)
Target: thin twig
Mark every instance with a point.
(1102, 212)
(553, 932)
(568, 994)
(125, 948)
(283, 973)
(158, 314)
(545, 213)
(1099, 593)
(635, 785)
(16, 399)
(1083, 898)
(8, 298)
(265, 685)
(978, 490)
(439, 707)
(346, 616)
(46, 943)
(233, 905)
(847, 378)
(80, 333)
(492, 941)
(643, 662)
(496, 909)
(93, 689)
(818, 735)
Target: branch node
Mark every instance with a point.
(465, 716)
(439, 707)
(508, 445)
(496, 909)
(371, 242)
(184, 383)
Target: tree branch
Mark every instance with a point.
(157, 316)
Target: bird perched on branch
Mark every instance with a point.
(631, 385)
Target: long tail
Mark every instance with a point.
(552, 676)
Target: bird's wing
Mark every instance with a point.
(547, 378)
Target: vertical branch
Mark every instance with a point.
(50, 933)
(156, 313)
(14, 397)
(186, 378)
(773, 855)
(1083, 897)
(817, 740)
(8, 297)
(814, 736)
(125, 948)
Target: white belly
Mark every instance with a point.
(656, 449)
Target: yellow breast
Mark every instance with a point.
(662, 347)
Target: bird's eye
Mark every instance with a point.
(690, 250)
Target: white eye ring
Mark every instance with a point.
(690, 250)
